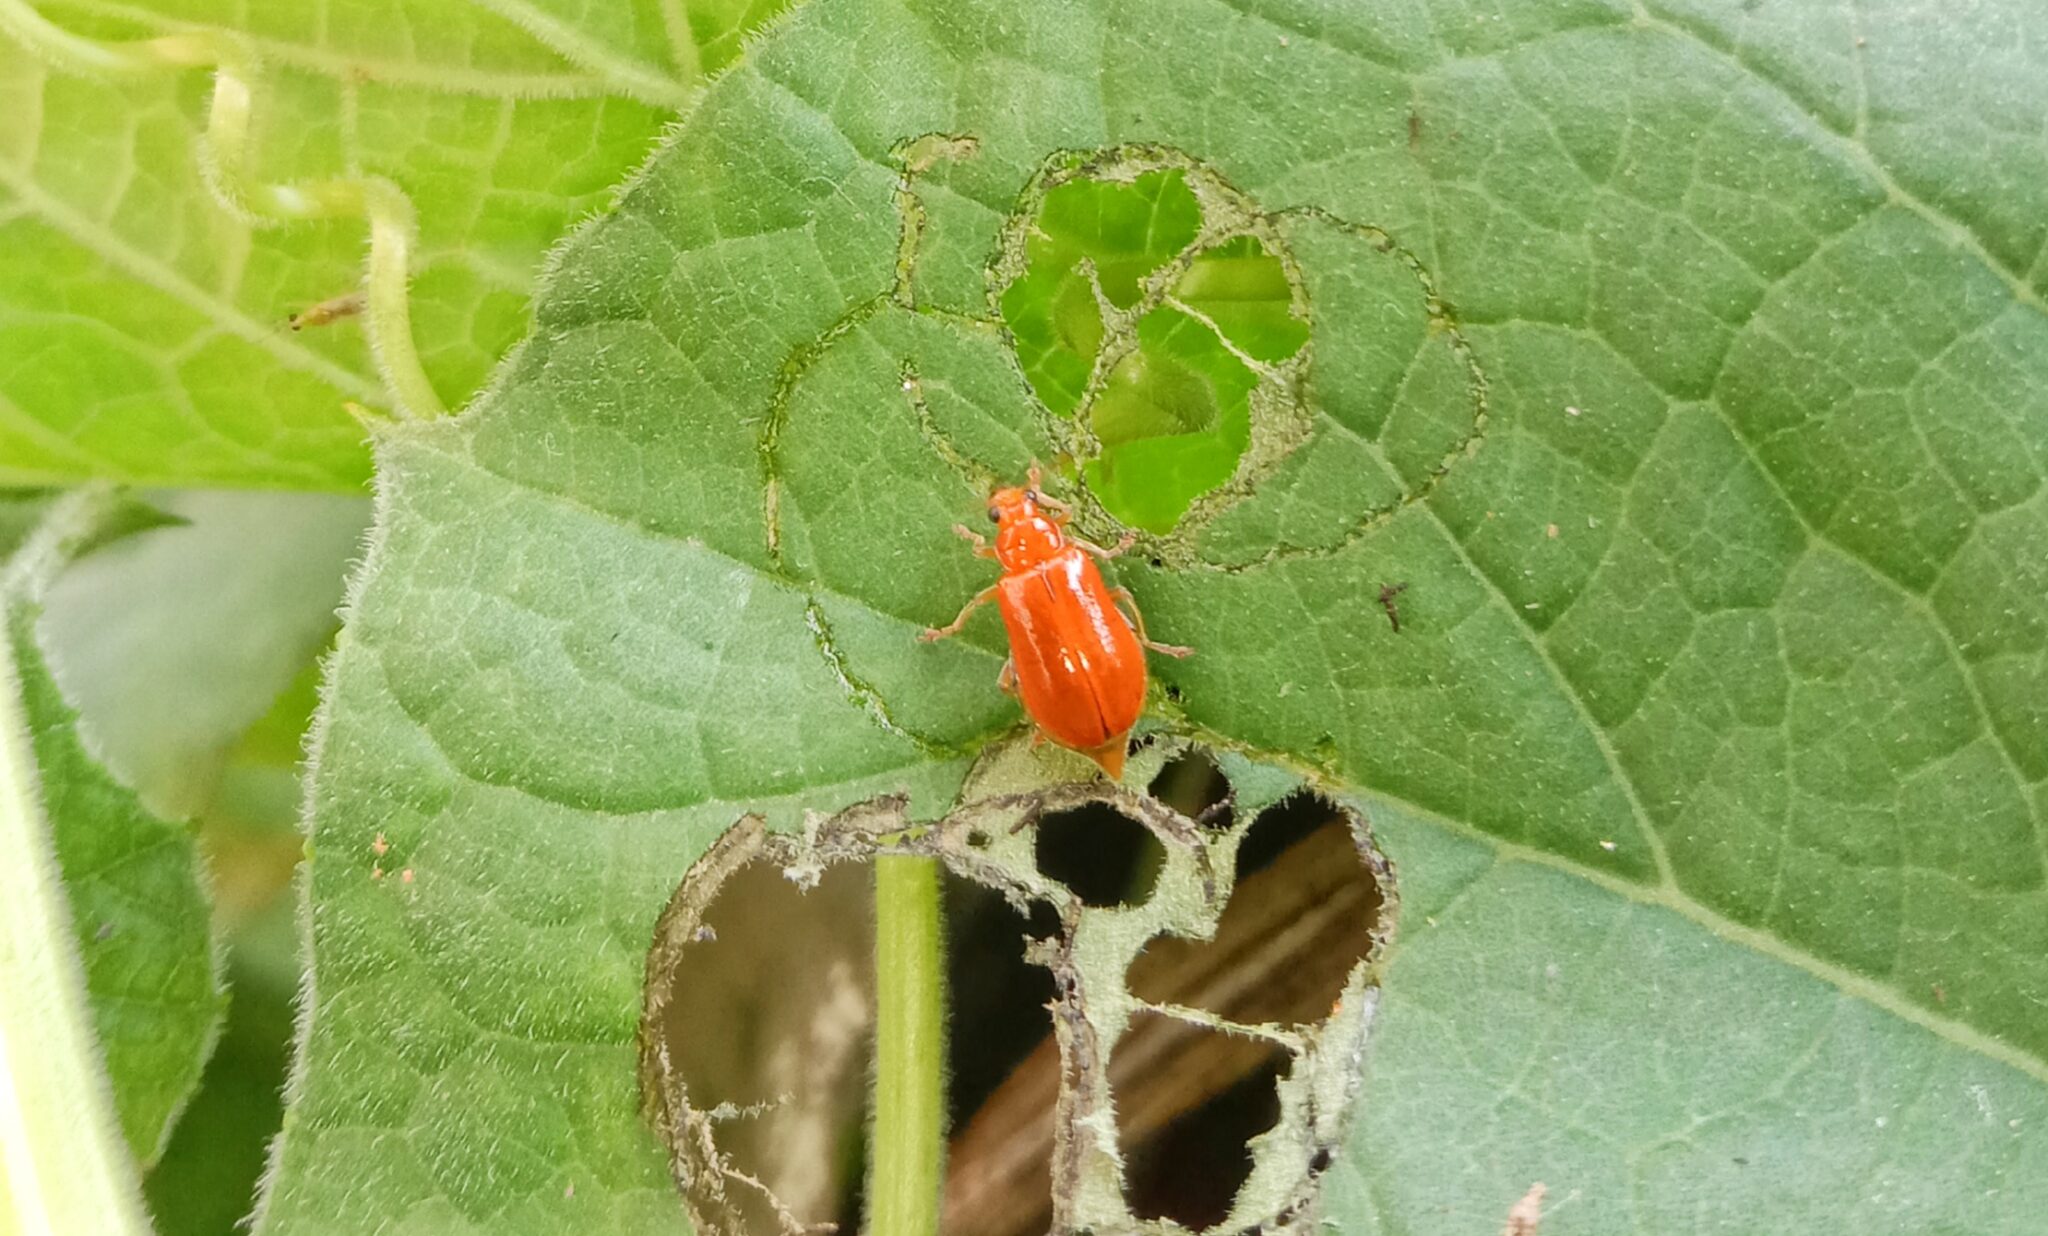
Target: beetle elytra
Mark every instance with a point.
(1077, 646)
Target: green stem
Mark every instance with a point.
(63, 1165)
(908, 1148)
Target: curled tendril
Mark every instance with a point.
(224, 164)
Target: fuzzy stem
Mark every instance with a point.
(908, 1148)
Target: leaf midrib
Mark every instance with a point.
(1670, 897)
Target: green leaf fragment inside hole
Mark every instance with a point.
(1173, 412)
(1244, 290)
(1174, 419)
(1122, 231)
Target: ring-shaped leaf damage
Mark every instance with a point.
(752, 1062)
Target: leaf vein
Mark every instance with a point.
(1961, 233)
(1671, 897)
(146, 269)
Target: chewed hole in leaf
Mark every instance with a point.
(1147, 311)
(1306, 910)
(1242, 288)
(1183, 1134)
(1104, 856)
(1084, 999)
(1193, 785)
(759, 1022)
(1120, 231)
(1173, 418)
(1002, 1064)
(1282, 826)
(996, 1000)
(758, 1054)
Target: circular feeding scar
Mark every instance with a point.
(1248, 963)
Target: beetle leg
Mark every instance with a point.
(1129, 539)
(1128, 605)
(1059, 510)
(969, 535)
(929, 634)
(1007, 679)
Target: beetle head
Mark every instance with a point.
(1027, 529)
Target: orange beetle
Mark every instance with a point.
(1076, 661)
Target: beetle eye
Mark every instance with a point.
(994, 516)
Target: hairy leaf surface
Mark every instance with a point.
(1686, 365)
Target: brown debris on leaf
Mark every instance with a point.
(1527, 1214)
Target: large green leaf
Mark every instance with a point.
(1687, 365)
(143, 328)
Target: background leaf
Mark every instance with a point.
(144, 330)
(20, 511)
(172, 645)
(1720, 658)
(137, 904)
(140, 909)
(189, 654)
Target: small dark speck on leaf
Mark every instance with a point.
(105, 932)
(1389, 593)
(1414, 130)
